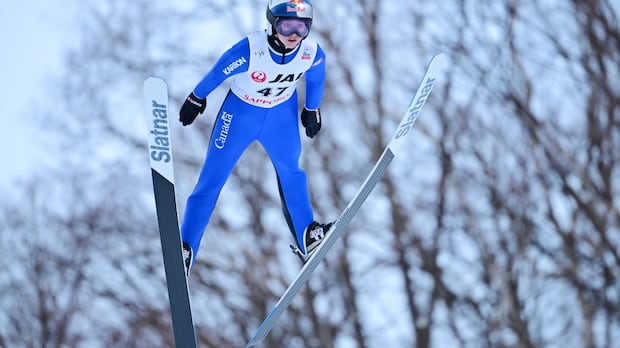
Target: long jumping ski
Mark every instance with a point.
(434, 69)
(160, 154)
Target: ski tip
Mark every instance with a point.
(439, 62)
(154, 80)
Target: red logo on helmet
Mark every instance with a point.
(259, 76)
(296, 6)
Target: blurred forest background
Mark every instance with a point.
(498, 225)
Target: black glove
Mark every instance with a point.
(191, 108)
(311, 119)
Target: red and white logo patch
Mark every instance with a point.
(259, 76)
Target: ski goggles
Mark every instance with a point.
(290, 26)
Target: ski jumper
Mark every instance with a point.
(260, 106)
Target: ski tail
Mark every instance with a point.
(162, 170)
(433, 71)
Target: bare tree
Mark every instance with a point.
(499, 227)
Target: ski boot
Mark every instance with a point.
(313, 236)
(188, 258)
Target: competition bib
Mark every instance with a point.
(267, 83)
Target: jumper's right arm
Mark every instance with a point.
(235, 60)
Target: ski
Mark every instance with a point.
(433, 71)
(160, 154)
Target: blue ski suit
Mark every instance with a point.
(261, 106)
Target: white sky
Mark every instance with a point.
(33, 36)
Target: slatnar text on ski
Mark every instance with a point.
(160, 133)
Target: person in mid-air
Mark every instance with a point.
(261, 106)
